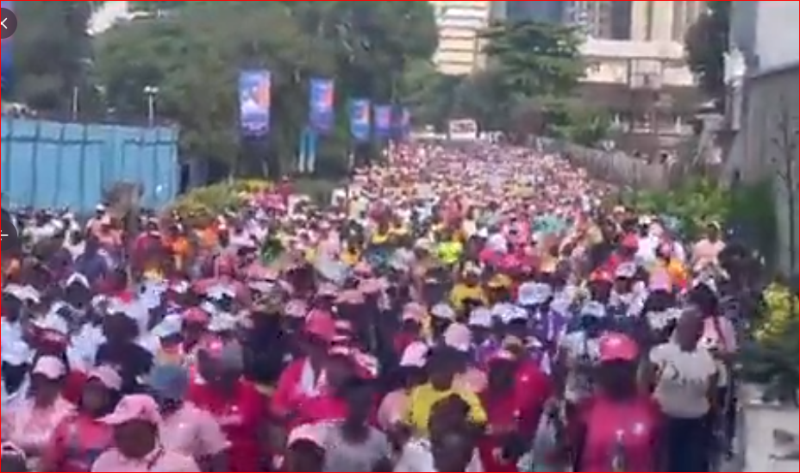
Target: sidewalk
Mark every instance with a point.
(762, 451)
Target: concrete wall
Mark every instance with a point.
(768, 138)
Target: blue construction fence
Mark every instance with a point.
(48, 164)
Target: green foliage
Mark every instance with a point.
(535, 59)
(774, 364)
(695, 203)
(52, 54)
(575, 122)
(706, 44)
(753, 218)
(193, 54)
(430, 94)
(527, 62)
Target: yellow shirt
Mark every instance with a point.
(461, 293)
(350, 258)
(450, 252)
(425, 397)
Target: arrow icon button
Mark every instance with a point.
(9, 22)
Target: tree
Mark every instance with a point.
(535, 59)
(706, 44)
(52, 54)
(194, 55)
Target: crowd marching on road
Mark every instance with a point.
(455, 309)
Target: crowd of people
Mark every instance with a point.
(472, 309)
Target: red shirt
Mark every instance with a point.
(240, 417)
(519, 411)
(639, 422)
(288, 395)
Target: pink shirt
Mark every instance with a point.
(639, 422)
(160, 460)
(193, 432)
(31, 428)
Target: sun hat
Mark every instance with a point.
(107, 376)
(415, 355)
(50, 367)
(136, 407)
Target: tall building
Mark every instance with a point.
(460, 25)
(663, 20)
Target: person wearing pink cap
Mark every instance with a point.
(31, 423)
(137, 445)
(233, 401)
(305, 449)
(303, 377)
(81, 437)
(619, 427)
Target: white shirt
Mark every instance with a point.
(683, 380)
(417, 456)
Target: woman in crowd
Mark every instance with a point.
(233, 402)
(82, 437)
(618, 428)
(32, 423)
(137, 442)
(685, 379)
(185, 428)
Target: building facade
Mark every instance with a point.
(460, 26)
(762, 73)
(663, 20)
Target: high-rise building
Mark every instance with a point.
(663, 20)
(460, 25)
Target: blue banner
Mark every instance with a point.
(360, 120)
(383, 121)
(255, 97)
(6, 46)
(320, 111)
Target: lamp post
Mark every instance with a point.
(151, 92)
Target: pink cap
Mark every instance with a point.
(503, 355)
(321, 325)
(458, 336)
(413, 311)
(618, 347)
(108, 377)
(50, 367)
(135, 407)
(312, 433)
(415, 355)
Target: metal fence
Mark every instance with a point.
(51, 165)
(616, 167)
